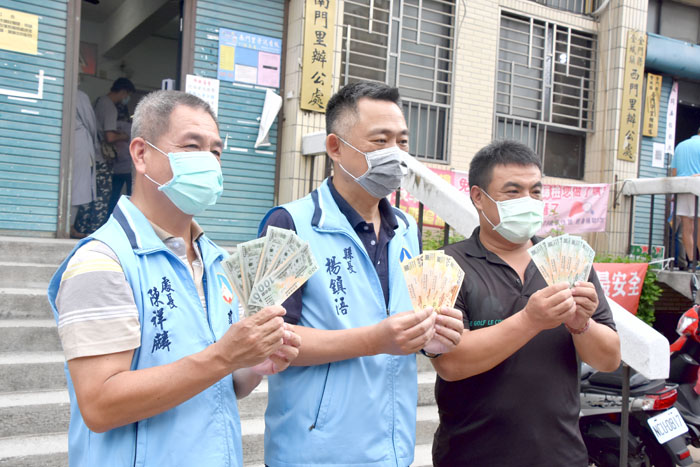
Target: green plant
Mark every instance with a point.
(650, 293)
(433, 239)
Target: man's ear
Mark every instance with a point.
(137, 148)
(477, 196)
(333, 147)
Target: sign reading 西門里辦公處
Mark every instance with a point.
(631, 114)
(319, 39)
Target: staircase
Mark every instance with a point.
(34, 406)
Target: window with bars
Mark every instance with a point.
(408, 44)
(545, 90)
(583, 7)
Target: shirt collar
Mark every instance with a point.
(195, 232)
(385, 210)
(476, 249)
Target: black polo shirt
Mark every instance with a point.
(377, 247)
(524, 411)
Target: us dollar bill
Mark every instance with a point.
(281, 283)
(276, 239)
(250, 253)
(232, 268)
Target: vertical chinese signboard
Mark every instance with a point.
(652, 105)
(632, 96)
(319, 39)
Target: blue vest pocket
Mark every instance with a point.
(324, 401)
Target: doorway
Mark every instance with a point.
(141, 42)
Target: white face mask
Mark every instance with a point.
(520, 218)
(384, 170)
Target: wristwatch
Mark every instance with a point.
(430, 355)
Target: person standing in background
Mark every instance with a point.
(83, 181)
(107, 135)
(121, 170)
(686, 163)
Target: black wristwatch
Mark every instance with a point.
(430, 355)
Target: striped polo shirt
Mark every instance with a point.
(97, 314)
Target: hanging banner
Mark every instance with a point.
(622, 282)
(630, 116)
(671, 119)
(317, 63)
(652, 105)
(19, 32)
(569, 209)
(574, 208)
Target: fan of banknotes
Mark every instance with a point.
(267, 270)
(565, 258)
(433, 280)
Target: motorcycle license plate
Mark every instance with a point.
(667, 425)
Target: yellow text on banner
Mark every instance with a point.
(19, 32)
(652, 106)
(630, 117)
(319, 40)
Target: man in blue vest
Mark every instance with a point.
(351, 397)
(156, 353)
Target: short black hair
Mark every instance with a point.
(123, 83)
(502, 152)
(346, 100)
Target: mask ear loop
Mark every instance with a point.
(160, 151)
(369, 164)
(482, 211)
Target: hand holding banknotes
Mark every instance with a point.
(280, 360)
(253, 339)
(586, 299)
(448, 331)
(405, 333)
(550, 307)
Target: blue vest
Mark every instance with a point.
(204, 430)
(360, 411)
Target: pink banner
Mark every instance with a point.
(574, 208)
(568, 208)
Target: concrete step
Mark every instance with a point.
(29, 335)
(35, 250)
(34, 413)
(21, 303)
(423, 456)
(31, 371)
(27, 275)
(45, 415)
(49, 450)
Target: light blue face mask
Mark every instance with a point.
(197, 180)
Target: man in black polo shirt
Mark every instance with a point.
(508, 395)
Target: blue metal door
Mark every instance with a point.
(31, 103)
(249, 173)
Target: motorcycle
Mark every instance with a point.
(685, 358)
(657, 431)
